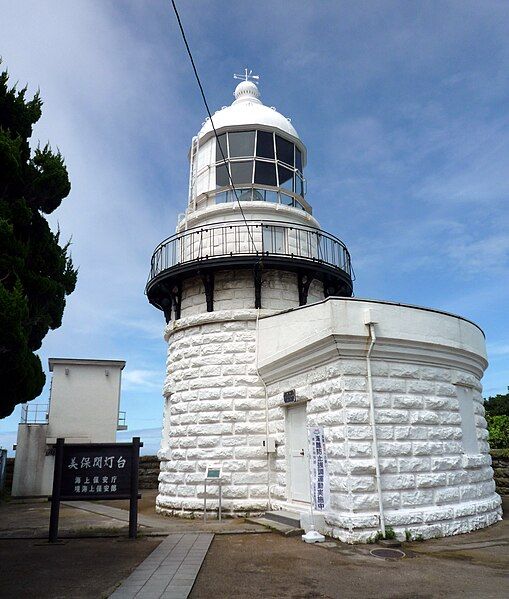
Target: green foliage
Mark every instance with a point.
(408, 535)
(389, 534)
(497, 405)
(498, 428)
(36, 272)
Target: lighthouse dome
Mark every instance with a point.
(247, 109)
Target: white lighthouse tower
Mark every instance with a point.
(247, 246)
(266, 344)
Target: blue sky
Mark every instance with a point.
(403, 109)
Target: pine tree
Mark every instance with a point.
(36, 272)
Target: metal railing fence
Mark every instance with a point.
(34, 413)
(267, 238)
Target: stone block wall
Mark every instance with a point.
(431, 487)
(500, 458)
(234, 290)
(214, 414)
(148, 472)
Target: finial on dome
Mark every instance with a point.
(246, 89)
(248, 74)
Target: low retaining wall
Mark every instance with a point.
(9, 470)
(500, 464)
(149, 472)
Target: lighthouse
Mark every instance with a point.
(267, 347)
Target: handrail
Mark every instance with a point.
(271, 238)
(34, 413)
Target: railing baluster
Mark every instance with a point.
(237, 238)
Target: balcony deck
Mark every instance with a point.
(257, 245)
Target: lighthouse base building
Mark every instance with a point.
(369, 411)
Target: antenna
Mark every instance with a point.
(247, 76)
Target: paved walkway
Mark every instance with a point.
(169, 571)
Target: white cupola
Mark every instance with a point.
(250, 151)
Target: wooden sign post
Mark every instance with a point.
(94, 471)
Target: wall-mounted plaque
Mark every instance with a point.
(289, 396)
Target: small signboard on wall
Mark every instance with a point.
(213, 472)
(319, 469)
(289, 396)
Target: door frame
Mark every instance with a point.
(289, 499)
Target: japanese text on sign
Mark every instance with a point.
(319, 471)
(103, 470)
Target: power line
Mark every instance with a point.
(211, 120)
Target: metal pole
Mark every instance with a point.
(220, 498)
(133, 503)
(55, 494)
(205, 502)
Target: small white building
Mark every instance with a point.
(265, 341)
(83, 408)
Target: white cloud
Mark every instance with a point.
(148, 379)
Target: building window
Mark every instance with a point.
(241, 144)
(278, 162)
(265, 144)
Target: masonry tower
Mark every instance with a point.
(266, 342)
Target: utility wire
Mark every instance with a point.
(211, 120)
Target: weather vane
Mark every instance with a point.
(248, 75)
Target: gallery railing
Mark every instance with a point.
(267, 238)
(121, 422)
(36, 413)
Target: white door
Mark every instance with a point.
(298, 465)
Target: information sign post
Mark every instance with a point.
(94, 471)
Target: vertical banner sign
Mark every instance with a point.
(319, 470)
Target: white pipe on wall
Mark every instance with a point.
(269, 498)
(372, 337)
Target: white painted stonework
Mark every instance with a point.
(420, 412)
(424, 363)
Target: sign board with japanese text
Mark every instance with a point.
(320, 493)
(86, 471)
(289, 396)
(96, 471)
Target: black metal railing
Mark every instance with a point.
(256, 238)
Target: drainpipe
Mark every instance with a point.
(269, 498)
(368, 321)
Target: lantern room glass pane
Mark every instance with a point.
(271, 196)
(242, 172)
(222, 178)
(265, 173)
(284, 150)
(299, 185)
(222, 197)
(221, 140)
(285, 177)
(241, 143)
(298, 159)
(265, 144)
